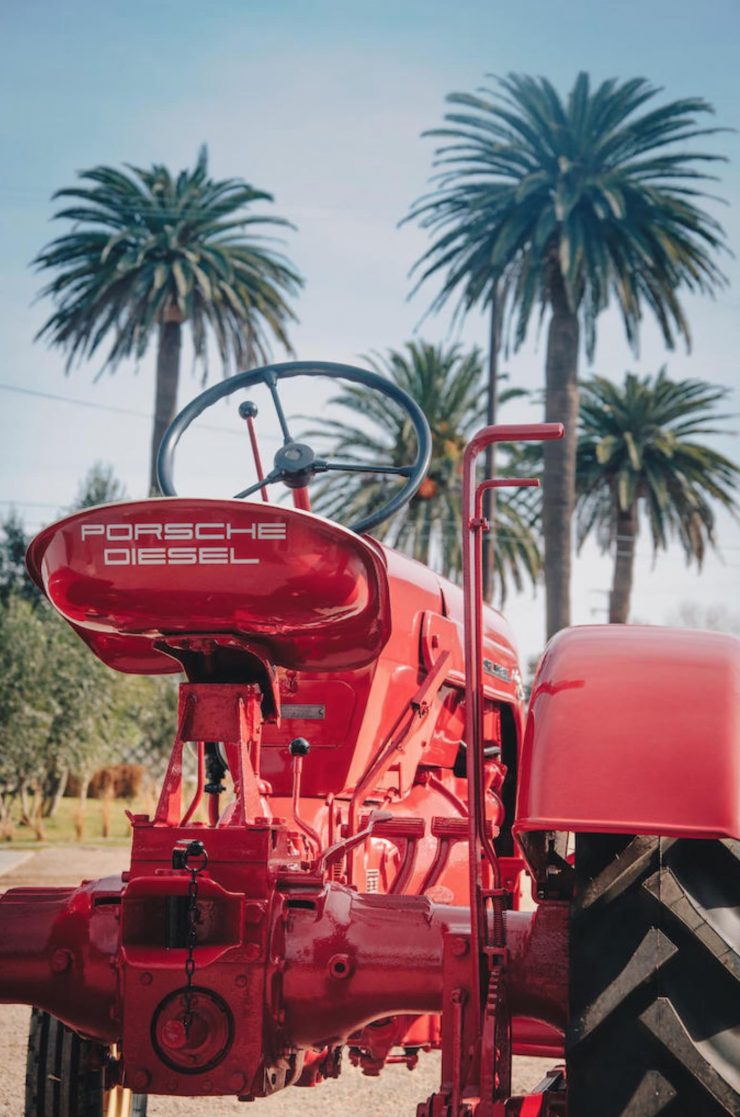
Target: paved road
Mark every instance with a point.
(10, 860)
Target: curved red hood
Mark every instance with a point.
(127, 575)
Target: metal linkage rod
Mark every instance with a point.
(474, 527)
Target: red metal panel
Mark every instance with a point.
(634, 729)
(501, 675)
(320, 709)
(57, 950)
(313, 593)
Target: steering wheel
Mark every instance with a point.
(295, 463)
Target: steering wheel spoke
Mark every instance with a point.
(321, 466)
(271, 379)
(270, 479)
(295, 462)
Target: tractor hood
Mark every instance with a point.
(129, 576)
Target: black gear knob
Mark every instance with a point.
(247, 410)
(299, 746)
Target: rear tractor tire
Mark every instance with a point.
(655, 978)
(65, 1076)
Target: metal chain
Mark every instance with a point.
(185, 856)
(187, 1019)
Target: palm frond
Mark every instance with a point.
(145, 244)
(448, 384)
(597, 192)
(637, 448)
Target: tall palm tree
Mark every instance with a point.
(149, 251)
(560, 206)
(447, 384)
(637, 449)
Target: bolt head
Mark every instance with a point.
(60, 961)
(140, 1079)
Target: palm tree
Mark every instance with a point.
(447, 385)
(560, 206)
(637, 450)
(149, 251)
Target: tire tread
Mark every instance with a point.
(654, 979)
(64, 1075)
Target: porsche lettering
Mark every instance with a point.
(182, 532)
(215, 543)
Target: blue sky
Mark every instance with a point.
(321, 103)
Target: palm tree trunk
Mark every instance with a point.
(489, 505)
(619, 599)
(558, 489)
(165, 405)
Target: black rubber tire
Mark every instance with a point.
(655, 978)
(64, 1073)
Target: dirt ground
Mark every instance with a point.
(395, 1092)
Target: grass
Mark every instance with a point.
(105, 820)
(62, 828)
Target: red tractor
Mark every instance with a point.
(405, 859)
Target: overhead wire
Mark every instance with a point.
(118, 410)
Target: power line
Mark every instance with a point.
(117, 410)
(76, 402)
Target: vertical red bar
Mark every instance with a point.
(473, 527)
(301, 499)
(256, 456)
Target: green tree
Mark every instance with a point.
(149, 251)
(62, 711)
(99, 486)
(640, 448)
(84, 727)
(56, 709)
(14, 580)
(26, 710)
(447, 384)
(147, 706)
(559, 206)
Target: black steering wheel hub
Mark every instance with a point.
(296, 464)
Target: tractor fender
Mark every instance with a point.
(633, 729)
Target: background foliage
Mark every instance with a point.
(63, 712)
